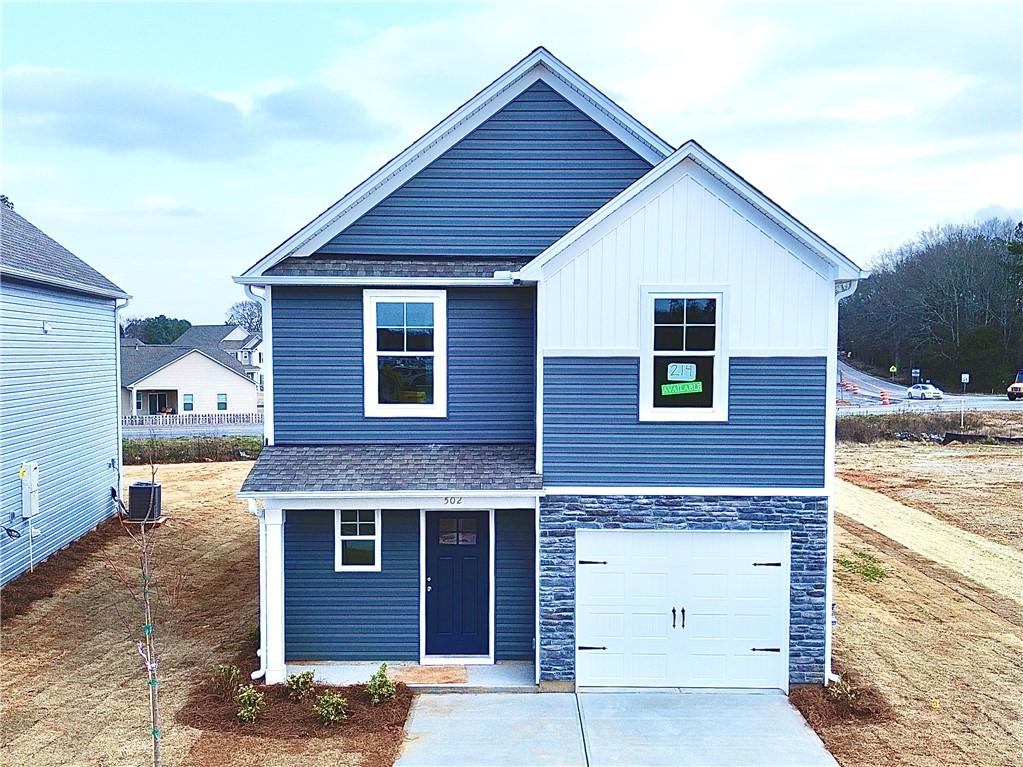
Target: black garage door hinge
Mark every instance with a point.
(765, 649)
(592, 562)
(589, 647)
(767, 564)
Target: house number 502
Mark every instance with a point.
(452, 500)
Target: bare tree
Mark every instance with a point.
(248, 314)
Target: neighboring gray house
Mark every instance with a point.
(59, 446)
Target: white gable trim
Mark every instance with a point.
(572, 243)
(538, 65)
(138, 383)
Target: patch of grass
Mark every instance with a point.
(875, 428)
(865, 565)
(190, 449)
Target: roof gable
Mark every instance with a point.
(796, 236)
(540, 74)
(140, 362)
(29, 253)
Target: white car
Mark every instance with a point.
(924, 391)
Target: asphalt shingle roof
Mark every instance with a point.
(27, 251)
(137, 362)
(350, 266)
(379, 467)
(204, 336)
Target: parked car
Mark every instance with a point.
(1015, 390)
(924, 391)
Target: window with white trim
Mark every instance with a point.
(188, 403)
(405, 351)
(684, 368)
(357, 540)
(221, 402)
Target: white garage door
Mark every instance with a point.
(660, 608)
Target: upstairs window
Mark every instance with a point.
(221, 402)
(684, 368)
(405, 348)
(357, 540)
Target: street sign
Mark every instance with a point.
(965, 378)
(893, 370)
(915, 372)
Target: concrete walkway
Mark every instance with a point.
(611, 729)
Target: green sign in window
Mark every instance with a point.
(691, 387)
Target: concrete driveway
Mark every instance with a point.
(610, 729)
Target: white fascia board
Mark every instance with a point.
(488, 282)
(538, 65)
(802, 492)
(401, 499)
(57, 282)
(846, 268)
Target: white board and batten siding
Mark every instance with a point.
(687, 229)
(58, 408)
(204, 379)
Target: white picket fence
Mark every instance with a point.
(191, 419)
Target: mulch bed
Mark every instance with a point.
(52, 573)
(375, 732)
(822, 707)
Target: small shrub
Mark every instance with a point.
(331, 707)
(381, 687)
(843, 692)
(226, 678)
(300, 685)
(864, 565)
(250, 702)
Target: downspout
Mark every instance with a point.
(829, 590)
(260, 672)
(118, 387)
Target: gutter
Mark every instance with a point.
(260, 672)
(78, 287)
(500, 279)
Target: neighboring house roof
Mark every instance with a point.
(131, 341)
(141, 362)
(691, 150)
(376, 467)
(539, 66)
(213, 337)
(28, 253)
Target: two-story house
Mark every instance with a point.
(569, 401)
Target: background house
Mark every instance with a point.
(59, 446)
(181, 378)
(232, 339)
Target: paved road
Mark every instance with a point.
(868, 401)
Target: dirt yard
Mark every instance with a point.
(940, 637)
(71, 683)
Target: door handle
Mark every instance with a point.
(673, 617)
(683, 617)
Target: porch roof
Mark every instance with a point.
(383, 467)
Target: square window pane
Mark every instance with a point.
(700, 338)
(419, 339)
(669, 311)
(668, 338)
(419, 315)
(449, 539)
(349, 528)
(467, 525)
(467, 539)
(390, 314)
(349, 516)
(367, 528)
(405, 380)
(358, 553)
(367, 515)
(448, 524)
(701, 311)
(390, 340)
(696, 393)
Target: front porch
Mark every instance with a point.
(502, 676)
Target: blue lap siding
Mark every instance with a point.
(514, 576)
(510, 188)
(58, 407)
(375, 615)
(318, 370)
(774, 436)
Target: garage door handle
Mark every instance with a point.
(673, 617)
(765, 649)
(592, 562)
(683, 617)
(589, 647)
(767, 564)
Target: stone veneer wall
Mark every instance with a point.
(806, 518)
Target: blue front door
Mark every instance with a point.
(457, 583)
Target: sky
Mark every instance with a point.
(171, 145)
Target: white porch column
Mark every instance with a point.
(273, 642)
